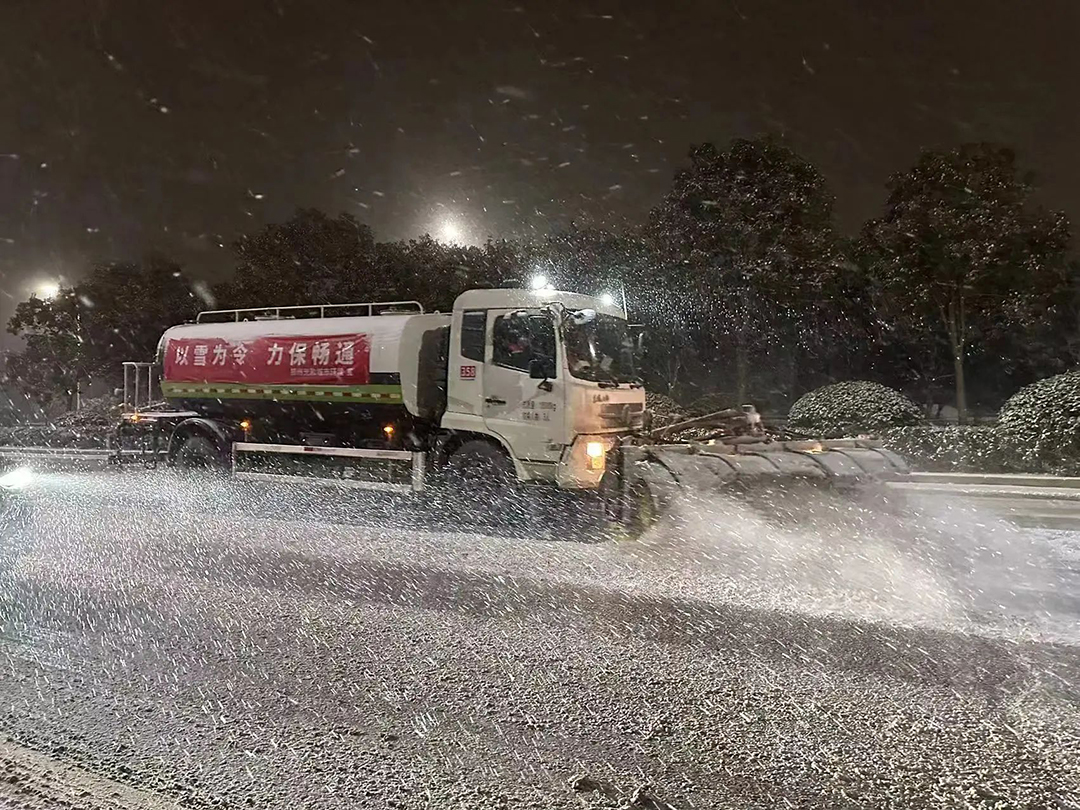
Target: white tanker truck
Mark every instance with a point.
(512, 388)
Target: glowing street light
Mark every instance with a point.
(607, 299)
(48, 290)
(540, 282)
(451, 232)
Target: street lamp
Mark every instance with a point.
(48, 290)
(451, 233)
(540, 282)
(607, 299)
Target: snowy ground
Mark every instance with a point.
(202, 646)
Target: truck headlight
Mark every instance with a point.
(19, 478)
(595, 452)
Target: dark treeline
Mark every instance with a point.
(959, 292)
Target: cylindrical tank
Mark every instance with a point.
(336, 376)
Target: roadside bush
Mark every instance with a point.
(1040, 424)
(664, 410)
(955, 448)
(89, 427)
(857, 406)
(100, 413)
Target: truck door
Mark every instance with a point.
(528, 412)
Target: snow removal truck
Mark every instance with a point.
(512, 389)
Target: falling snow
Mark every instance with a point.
(180, 640)
(513, 92)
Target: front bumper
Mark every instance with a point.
(584, 462)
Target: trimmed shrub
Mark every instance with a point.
(89, 427)
(1040, 423)
(663, 409)
(954, 448)
(858, 406)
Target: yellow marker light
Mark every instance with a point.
(245, 425)
(388, 430)
(595, 452)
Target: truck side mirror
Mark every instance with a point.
(541, 368)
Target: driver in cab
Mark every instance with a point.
(518, 345)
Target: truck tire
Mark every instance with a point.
(630, 514)
(480, 479)
(198, 453)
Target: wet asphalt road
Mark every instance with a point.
(210, 646)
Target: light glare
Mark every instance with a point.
(48, 290)
(18, 478)
(450, 232)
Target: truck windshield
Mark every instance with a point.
(599, 348)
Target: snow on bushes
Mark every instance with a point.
(664, 409)
(1041, 424)
(950, 448)
(857, 406)
(1038, 431)
(87, 428)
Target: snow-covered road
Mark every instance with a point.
(260, 647)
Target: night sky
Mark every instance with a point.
(173, 126)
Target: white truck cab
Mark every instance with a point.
(549, 376)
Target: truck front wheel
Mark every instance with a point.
(629, 512)
(480, 478)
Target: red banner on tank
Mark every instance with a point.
(299, 359)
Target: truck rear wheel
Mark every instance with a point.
(199, 453)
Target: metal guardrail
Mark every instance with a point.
(67, 453)
(994, 486)
(1033, 501)
(56, 452)
(59, 458)
(996, 479)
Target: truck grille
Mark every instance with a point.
(622, 414)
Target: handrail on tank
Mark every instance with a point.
(274, 313)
